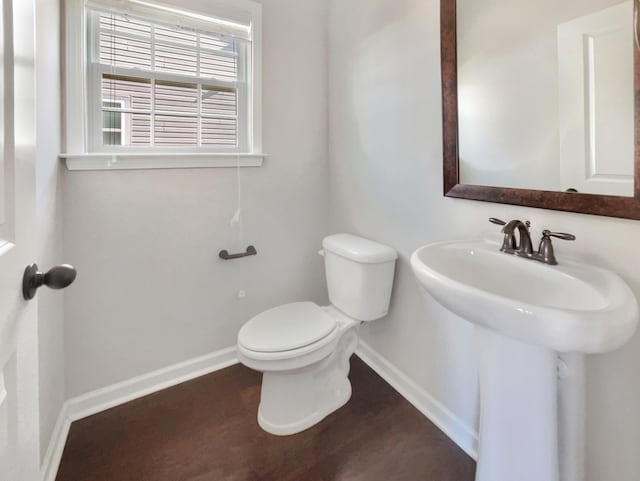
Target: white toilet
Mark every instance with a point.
(303, 350)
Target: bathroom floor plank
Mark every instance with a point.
(206, 430)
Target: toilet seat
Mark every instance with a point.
(319, 320)
(287, 328)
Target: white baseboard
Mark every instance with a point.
(52, 457)
(108, 397)
(102, 399)
(123, 392)
(459, 432)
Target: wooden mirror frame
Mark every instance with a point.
(604, 205)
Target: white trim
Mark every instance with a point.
(76, 128)
(460, 433)
(108, 397)
(111, 396)
(75, 116)
(52, 457)
(254, 78)
(146, 161)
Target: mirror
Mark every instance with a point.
(539, 104)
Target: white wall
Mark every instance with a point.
(49, 217)
(151, 290)
(386, 183)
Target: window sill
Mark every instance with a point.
(145, 161)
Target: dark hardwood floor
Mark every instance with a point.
(206, 430)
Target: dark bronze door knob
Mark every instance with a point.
(58, 277)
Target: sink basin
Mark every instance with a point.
(571, 307)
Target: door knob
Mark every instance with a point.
(58, 277)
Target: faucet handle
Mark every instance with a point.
(509, 242)
(546, 253)
(558, 235)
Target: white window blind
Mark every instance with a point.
(159, 86)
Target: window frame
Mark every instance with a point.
(83, 150)
(123, 122)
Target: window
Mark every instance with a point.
(160, 80)
(112, 122)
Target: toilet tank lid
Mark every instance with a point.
(359, 249)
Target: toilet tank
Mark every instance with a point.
(359, 275)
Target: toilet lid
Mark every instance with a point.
(287, 327)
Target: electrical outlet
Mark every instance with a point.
(242, 294)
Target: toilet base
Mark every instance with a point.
(302, 421)
(293, 401)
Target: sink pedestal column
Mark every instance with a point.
(518, 410)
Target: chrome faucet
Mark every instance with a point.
(524, 247)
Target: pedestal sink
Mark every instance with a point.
(526, 313)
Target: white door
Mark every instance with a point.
(595, 55)
(19, 448)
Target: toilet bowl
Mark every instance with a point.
(303, 349)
